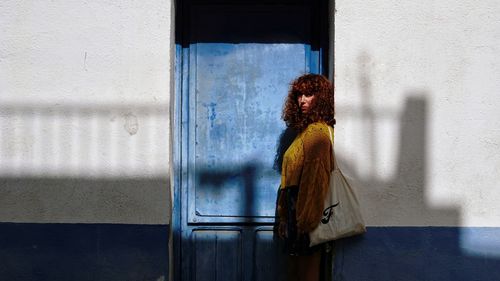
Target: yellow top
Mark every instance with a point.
(307, 163)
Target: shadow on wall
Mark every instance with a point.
(83, 194)
(384, 253)
(403, 196)
(404, 253)
(87, 140)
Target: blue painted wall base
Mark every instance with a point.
(140, 252)
(420, 253)
(83, 252)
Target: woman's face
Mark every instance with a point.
(305, 102)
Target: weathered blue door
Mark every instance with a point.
(235, 61)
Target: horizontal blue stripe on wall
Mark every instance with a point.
(140, 252)
(83, 252)
(420, 253)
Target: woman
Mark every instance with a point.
(305, 172)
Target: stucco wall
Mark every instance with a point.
(84, 111)
(417, 109)
(417, 130)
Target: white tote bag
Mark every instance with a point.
(341, 212)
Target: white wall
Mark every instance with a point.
(417, 86)
(85, 95)
(84, 111)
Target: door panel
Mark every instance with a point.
(217, 255)
(268, 259)
(234, 67)
(236, 93)
(238, 105)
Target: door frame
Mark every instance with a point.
(180, 108)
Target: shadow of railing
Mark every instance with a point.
(410, 238)
(90, 140)
(84, 192)
(406, 240)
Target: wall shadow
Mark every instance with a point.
(74, 203)
(426, 252)
(84, 200)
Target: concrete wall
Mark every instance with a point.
(85, 91)
(443, 55)
(418, 130)
(84, 110)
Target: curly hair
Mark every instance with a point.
(323, 105)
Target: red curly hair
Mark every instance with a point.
(323, 106)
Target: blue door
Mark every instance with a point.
(235, 60)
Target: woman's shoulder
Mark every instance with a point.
(317, 130)
(318, 127)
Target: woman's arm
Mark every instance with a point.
(315, 178)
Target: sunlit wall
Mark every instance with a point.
(84, 111)
(418, 131)
(85, 95)
(417, 101)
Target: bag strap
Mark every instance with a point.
(335, 165)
